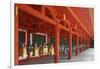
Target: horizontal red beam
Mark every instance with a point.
(79, 22)
(35, 13)
(39, 15)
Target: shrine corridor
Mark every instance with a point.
(52, 34)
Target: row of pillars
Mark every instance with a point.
(56, 43)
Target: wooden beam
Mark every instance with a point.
(92, 19)
(64, 28)
(52, 11)
(54, 16)
(68, 23)
(43, 10)
(35, 13)
(79, 21)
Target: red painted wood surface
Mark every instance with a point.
(16, 51)
(44, 19)
(70, 46)
(56, 44)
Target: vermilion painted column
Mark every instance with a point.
(56, 44)
(88, 44)
(81, 44)
(84, 44)
(77, 44)
(28, 44)
(70, 45)
(48, 38)
(16, 37)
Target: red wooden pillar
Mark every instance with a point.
(84, 44)
(16, 37)
(88, 44)
(48, 38)
(56, 44)
(28, 44)
(77, 44)
(70, 45)
(81, 44)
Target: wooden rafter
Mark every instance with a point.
(52, 12)
(35, 13)
(79, 21)
(54, 15)
(43, 10)
(92, 20)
